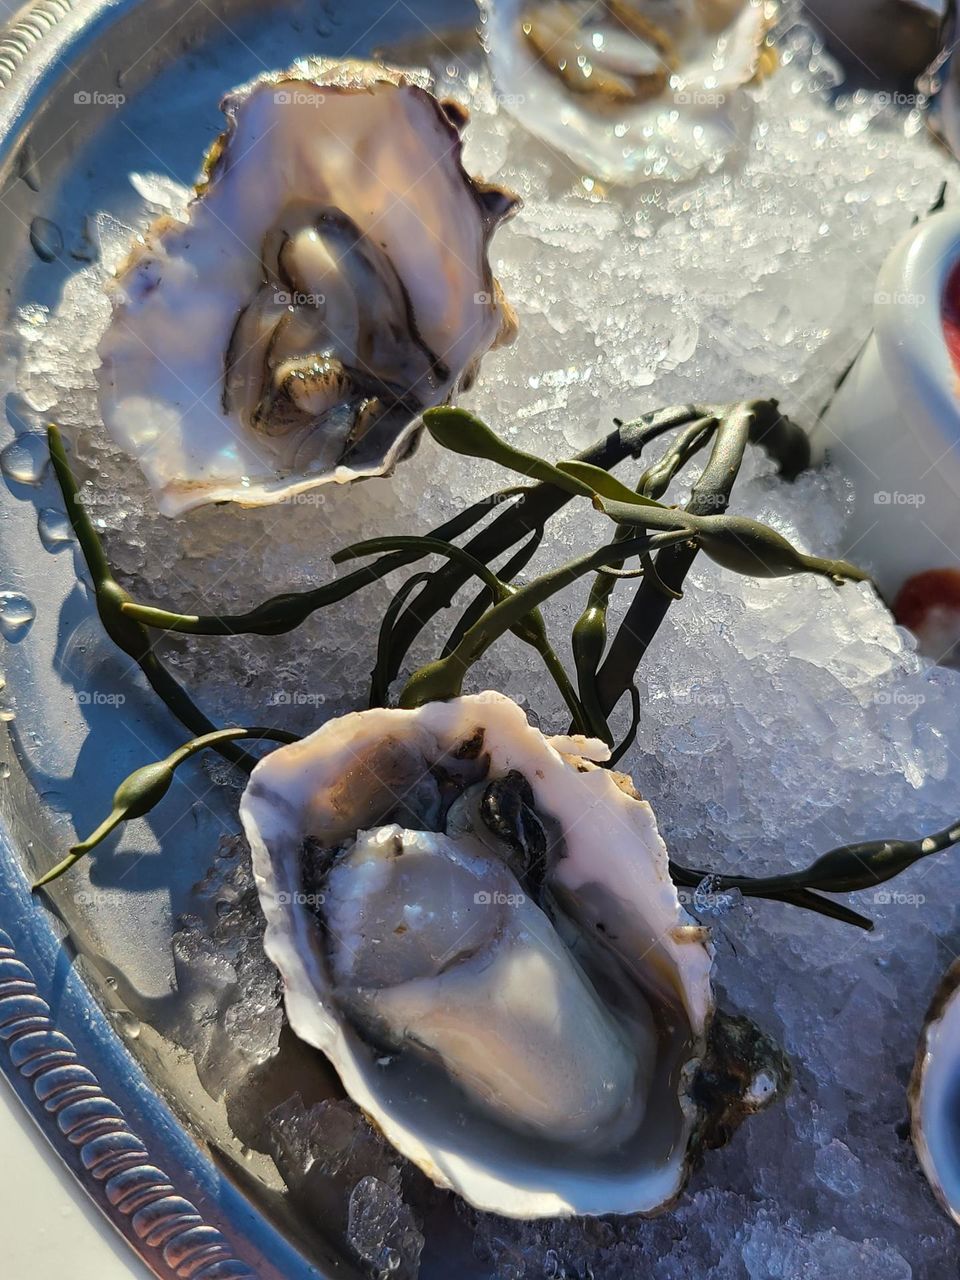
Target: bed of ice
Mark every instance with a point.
(780, 718)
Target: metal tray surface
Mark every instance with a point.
(125, 1112)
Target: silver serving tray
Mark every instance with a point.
(125, 1112)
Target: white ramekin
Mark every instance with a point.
(894, 425)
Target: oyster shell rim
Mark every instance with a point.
(947, 991)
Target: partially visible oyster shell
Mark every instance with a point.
(935, 1094)
(476, 924)
(330, 282)
(940, 82)
(880, 42)
(630, 89)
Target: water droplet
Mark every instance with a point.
(47, 239)
(7, 714)
(84, 247)
(128, 1025)
(54, 528)
(25, 459)
(27, 168)
(4, 771)
(16, 615)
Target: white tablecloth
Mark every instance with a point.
(48, 1230)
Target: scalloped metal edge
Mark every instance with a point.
(27, 30)
(47, 1069)
(109, 1150)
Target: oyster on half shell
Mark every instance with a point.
(935, 1094)
(630, 90)
(330, 281)
(476, 924)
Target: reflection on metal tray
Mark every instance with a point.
(86, 86)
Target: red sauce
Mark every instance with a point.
(929, 604)
(950, 310)
(938, 588)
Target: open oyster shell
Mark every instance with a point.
(935, 1094)
(476, 924)
(330, 282)
(630, 89)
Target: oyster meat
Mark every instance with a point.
(329, 283)
(476, 924)
(433, 944)
(630, 89)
